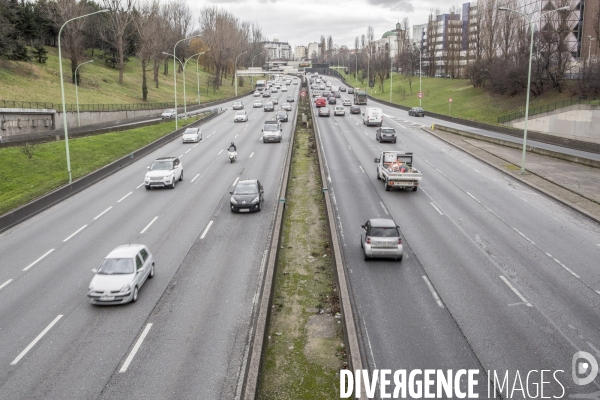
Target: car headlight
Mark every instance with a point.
(254, 200)
(125, 288)
(233, 201)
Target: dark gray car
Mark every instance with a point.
(247, 196)
(385, 134)
(282, 116)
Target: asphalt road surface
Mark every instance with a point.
(495, 276)
(187, 335)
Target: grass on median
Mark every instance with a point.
(23, 179)
(468, 102)
(304, 353)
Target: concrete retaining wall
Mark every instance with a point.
(97, 117)
(16, 121)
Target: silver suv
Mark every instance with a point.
(164, 172)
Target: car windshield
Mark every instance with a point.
(191, 131)
(237, 104)
(240, 113)
(113, 266)
(169, 111)
(271, 127)
(161, 165)
(384, 232)
(389, 130)
(282, 113)
(249, 188)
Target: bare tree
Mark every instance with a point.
(148, 26)
(118, 20)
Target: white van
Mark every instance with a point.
(373, 116)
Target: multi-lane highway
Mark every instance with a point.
(187, 335)
(495, 276)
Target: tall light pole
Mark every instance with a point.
(235, 70)
(390, 53)
(184, 102)
(252, 77)
(198, 75)
(175, 76)
(76, 91)
(532, 29)
(420, 73)
(62, 89)
(590, 48)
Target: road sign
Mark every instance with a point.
(303, 93)
(420, 95)
(450, 100)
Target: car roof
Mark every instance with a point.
(166, 159)
(248, 182)
(386, 127)
(382, 223)
(125, 251)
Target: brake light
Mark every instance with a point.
(399, 240)
(368, 241)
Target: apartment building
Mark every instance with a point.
(278, 50)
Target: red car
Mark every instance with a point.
(321, 102)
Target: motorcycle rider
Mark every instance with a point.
(232, 148)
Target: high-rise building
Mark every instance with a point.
(300, 52)
(278, 50)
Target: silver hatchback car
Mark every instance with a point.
(380, 238)
(121, 275)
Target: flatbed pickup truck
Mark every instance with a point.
(395, 169)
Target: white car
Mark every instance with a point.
(284, 89)
(121, 275)
(347, 102)
(339, 110)
(256, 94)
(237, 105)
(168, 114)
(164, 172)
(316, 93)
(257, 104)
(191, 135)
(240, 116)
(286, 106)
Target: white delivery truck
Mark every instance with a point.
(372, 116)
(395, 169)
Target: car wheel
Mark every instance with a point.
(151, 272)
(399, 258)
(394, 141)
(181, 176)
(367, 258)
(135, 295)
(173, 183)
(148, 187)
(259, 207)
(415, 188)
(378, 177)
(387, 187)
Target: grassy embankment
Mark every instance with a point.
(23, 179)
(304, 352)
(30, 81)
(468, 102)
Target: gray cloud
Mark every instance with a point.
(395, 5)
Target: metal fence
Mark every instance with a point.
(546, 108)
(85, 107)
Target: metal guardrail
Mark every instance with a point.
(546, 108)
(85, 107)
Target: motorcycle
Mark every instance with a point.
(232, 155)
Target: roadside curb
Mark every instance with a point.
(351, 334)
(261, 323)
(48, 200)
(548, 193)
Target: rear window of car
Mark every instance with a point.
(388, 130)
(240, 113)
(249, 188)
(271, 127)
(384, 232)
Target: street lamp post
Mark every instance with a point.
(590, 48)
(175, 76)
(420, 73)
(197, 78)
(252, 77)
(62, 89)
(235, 70)
(184, 102)
(76, 91)
(531, 28)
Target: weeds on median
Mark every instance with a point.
(304, 351)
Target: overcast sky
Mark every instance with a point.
(300, 22)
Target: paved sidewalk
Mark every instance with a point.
(575, 185)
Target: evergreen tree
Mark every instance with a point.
(40, 54)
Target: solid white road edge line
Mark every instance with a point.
(236, 181)
(104, 212)
(5, 283)
(38, 260)
(197, 175)
(135, 348)
(516, 291)
(433, 292)
(436, 209)
(75, 233)
(361, 168)
(206, 230)
(124, 197)
(148, 226)
(37, 339)
(384, 208)
(473, 197)
(523, 235)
